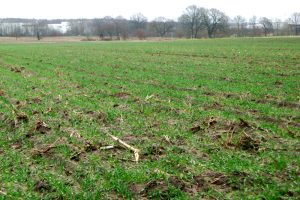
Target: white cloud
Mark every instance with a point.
(150, 8)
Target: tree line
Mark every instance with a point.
(195, 22)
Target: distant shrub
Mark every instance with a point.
(107, 39)
(140, 33)
(88, 39)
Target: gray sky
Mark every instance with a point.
(54, 9)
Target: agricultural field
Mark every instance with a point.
(212, 119)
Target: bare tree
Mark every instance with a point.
(37, 30)
(39, 27)
(16, 31)
(191, 20)
(214, 20)
(122, 28)
(162, 26)
(294, 21)
(139, 21)
(109, 26)
(77, 27)
(277, 24)
(97, 28)
(104, 27)
(240, 24)
(1, 28)
(267, 25)
(252, 23)
(81, 26)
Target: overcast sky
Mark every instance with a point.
(58, 9)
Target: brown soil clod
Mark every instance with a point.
(226, 79)
(238, 179)
(154, 150)
(17, 69)
(215, 105)
(2, 93)
(41, 186)
(199, 181)
(288, 104)
(155, 185)
(22, 117)
(278, 83)
(196, 129)
(36, 100)
(216, 178)
(137, 189)
(211, 122)
(65, 115)
(231, 95)
(29, 134)
(102, 117)
(17, 145)
(248, 143)
(208, 93)
(293, 134)
(2, 116)
(76, 156)
(244, 124)
(122, 95)
(44, 150)
(163, 186)
(13, 124)
(116, 105)
(176, 182)
(221, 180)
(90, 147)
(35, 112)
(42, 127)
(19, 104)
(285, 104)
(73, 133)
(98, 115)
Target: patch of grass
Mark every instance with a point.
(212, 118)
